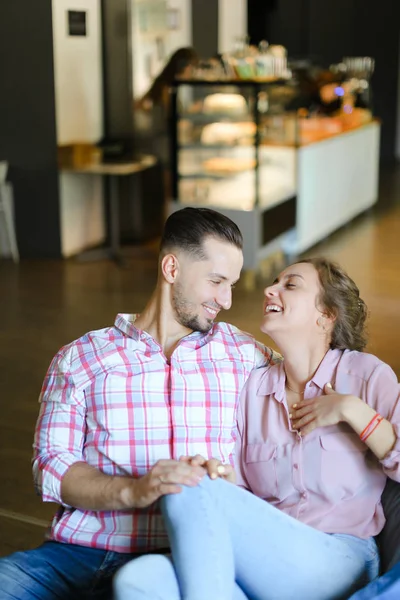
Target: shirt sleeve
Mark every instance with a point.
(60, 430)
(265, 356)
(383, 394)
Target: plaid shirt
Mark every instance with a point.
(113, 400)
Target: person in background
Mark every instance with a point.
(179, 65)
(120, 405)
(318, 438)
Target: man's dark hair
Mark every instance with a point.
(187, 229)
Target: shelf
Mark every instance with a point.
(215, 176)
(267, 201)
(200, 146)
(215, 118)
(238, 82)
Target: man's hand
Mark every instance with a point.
(319, 412)
(214, 467)
(166, 477)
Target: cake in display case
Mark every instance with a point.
(234, 150)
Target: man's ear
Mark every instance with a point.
(169, 267)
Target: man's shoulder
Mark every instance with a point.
(94, 341)
(243, 342)
(237, 335)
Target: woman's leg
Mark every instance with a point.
(219, 532)
(153, 577)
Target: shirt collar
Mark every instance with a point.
(272, 381)
(126, 324)
(326, 372)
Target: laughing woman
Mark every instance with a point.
(318, 437)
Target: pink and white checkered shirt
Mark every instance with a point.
(112, 399)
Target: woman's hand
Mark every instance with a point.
(214, 467)
(319, 412)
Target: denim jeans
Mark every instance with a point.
(153, 577)
(227, 543)
(57, 571)
(386, 587)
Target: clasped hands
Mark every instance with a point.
(167, 476)
(321, 411)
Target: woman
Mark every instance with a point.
(179, 65)
(318, 436)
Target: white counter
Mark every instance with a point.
(337, 179)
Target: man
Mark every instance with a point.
(121, 405)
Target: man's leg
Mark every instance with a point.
(152, 577)
(386, 587)
(220, 533)
(53, 571)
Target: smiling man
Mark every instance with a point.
(121, 405)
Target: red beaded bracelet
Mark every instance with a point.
(370, 428)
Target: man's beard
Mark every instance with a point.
(185, 316)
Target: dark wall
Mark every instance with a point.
(327, 30)
(117, 71)
(205, 27)
(27, 123)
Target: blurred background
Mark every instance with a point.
(283, 114)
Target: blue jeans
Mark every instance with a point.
(153, 577)
(57, 571)
(226, 542)
(386, 587)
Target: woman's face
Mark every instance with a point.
(291, 303)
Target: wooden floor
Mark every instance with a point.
(46, 304)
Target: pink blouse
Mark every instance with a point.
(329, 479)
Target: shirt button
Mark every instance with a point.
(295, 466)
(304, 495)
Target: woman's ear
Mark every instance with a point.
(169, 267)
(326, 321)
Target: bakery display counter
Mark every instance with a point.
(316, 129)
(275, 173)
(230, 179)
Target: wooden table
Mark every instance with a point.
(112, 170)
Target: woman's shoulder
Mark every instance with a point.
(363, 364)
(264, 381)
(366, 368)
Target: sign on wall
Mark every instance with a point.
(77, 22)
(152, 16)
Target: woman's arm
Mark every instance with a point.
(381, 398)
(359, 415)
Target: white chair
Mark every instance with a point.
(7, 212)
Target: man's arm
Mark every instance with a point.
(85, 487)
(264, 355)
(61, 473)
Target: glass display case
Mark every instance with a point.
(234, 150)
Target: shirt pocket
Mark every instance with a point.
(261, 472)
(343, 464)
